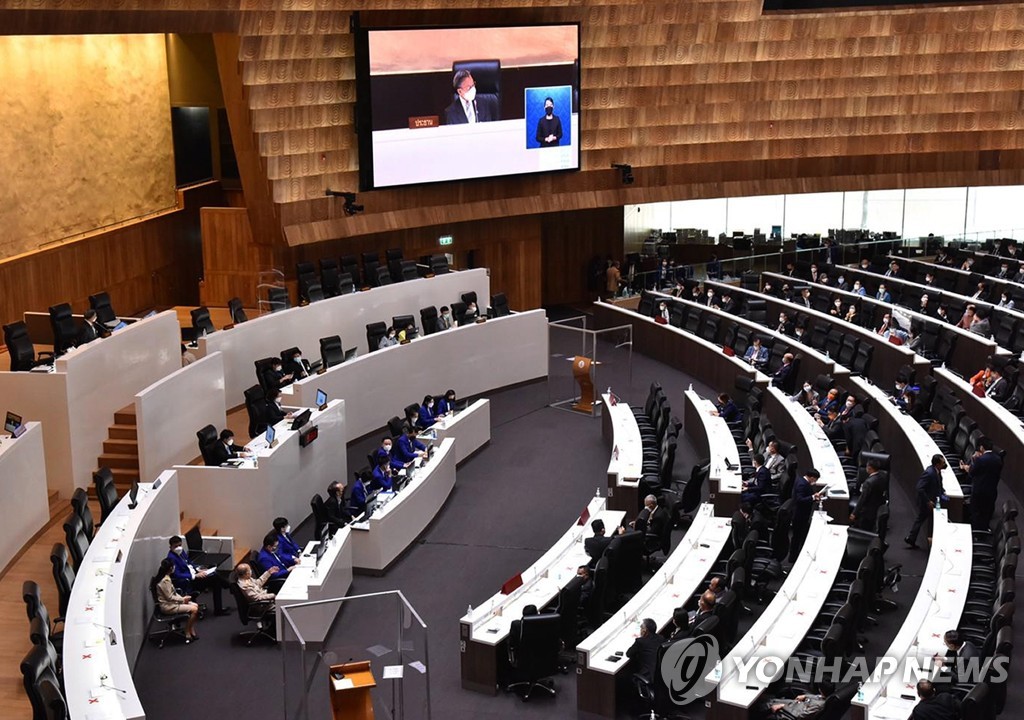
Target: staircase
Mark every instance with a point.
(121, 450)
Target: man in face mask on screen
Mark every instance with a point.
(466, 107)
(549, 127)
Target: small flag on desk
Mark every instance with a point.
(511, 584)
(584, 516)
(728, 350)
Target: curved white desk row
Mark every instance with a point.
(712, 438)
(25, 508)
(471, 359)
(937, 608)
(603, 654)
(310, 581)
(786, 620)
(345, 315)
(483, 630)
(621, 432)
(471, 428)
(401, 517)
(112, 591)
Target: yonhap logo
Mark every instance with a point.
(685, 665)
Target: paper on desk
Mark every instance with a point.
(417, 665)
(393, 672)
(378, 650)
(343, 684)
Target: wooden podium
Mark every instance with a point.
(581, 371)
(350, 696)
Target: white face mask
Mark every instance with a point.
(298, 358)
(430, 405)
(287, 529)
(178, 550)
(387, 448)
(807, 388)
(469, 95)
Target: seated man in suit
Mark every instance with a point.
(757, 354)
(270, 557)
(705, 608)
(652, 519)
(727, 409)
(781, 376)
(872, 497)
(188, 578)
(934, 705)
(90, 329)
(382, 477)
(287, 547)
(586, 586)
(337, 513)
(757, 485)
(644, 651)
(427, 414)
(408, 447)
(298, 367)
(956, 665)
(445, 321)
(466, 108)
(275, 377)
(727, 304)
(998, 388)
(274, 413)
(225, 449)
(254, 588)
(596, 545)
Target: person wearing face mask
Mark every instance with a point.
(549, 127)
(858, 288)
(427, 414)
(785, 326)
(289, 550)
(270, 557)
(1005, 301)
(389, 339)
(471, 314)
(446, 404)
(385, 448)
(171, 601)
(837, 308)
(298, 367)
(225, 449)
(274, 413)
(383, 476)
(445, 321)
(808, 397)
(662, 314)
(466, 107)
(408, 447)
(276, 377)
(851, 315)
(188, 578)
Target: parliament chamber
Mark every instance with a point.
(300, 289)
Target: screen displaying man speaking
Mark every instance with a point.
(460, 103)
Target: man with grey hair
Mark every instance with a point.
(466, 107)
(253, 587)
(652, 518)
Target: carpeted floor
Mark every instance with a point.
(511, 502)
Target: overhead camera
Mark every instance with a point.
(627, 172)
(350, 207)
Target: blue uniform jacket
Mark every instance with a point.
(405, 449)
(268, 560)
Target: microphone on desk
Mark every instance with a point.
(111, 635)
(791, 598)
(103, 684)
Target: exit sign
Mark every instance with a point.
(445, 240)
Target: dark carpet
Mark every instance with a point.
(512, 500)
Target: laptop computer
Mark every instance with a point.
(271, 436)
(133, 496)
(350, 354)
(12, 422)
(301, 419)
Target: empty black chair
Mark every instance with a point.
(36, 671)
(350, 267)
(305, 275)
(534, 642)
(278, 299)
(36, 610)
(76, 540)
(408, 271)
(459, 312)
(370, 275)
(106, 492)
(201, 322)
(330, 277)
(331, 352)
(63, 577)
(439, 265)
(428, 320)
(316, 505)
(238, 315)
(20, 349)
(374, 332)
(392, 254)
(499, 306)
(346, 284)
(314, 292)
(370, 256)
(255, 407)
(64, 329)
(207, 437)
(396, 426)
(105, 315)
(383, 276)
(80, 506)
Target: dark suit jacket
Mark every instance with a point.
(803, 501)
(941, 706)
(547, 127)
(929, 486)
(872, 497)
(986, 469)
(595, 547)
(759, 484)
(999, 390)
(298, 370)
(644, 654)
(87, 333)
(486, 111)
(273, 413)
(780, 375)
(337, 513)
(221, 453)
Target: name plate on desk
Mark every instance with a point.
(424, 121)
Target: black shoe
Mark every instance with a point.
(910, 543)
(222, 612)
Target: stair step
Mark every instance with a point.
(121, 446)
(124, 477)
(240, 553)
(189, 523)
(115, 460)
(120, 431)
(123, 417)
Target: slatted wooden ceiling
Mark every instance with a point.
(703, 98)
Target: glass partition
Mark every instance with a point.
(608, 351)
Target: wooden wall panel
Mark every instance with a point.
(232, 261)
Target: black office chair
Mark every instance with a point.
(330, 277)
(374, 332)
(499, 306)
(383, 276)
(534, 642)
(36, 609)
(396, 426)
(106, 492)
(459, 312)
(305, 274)
(76, 540)
(428, 320)
(316, 504)
(20, 349)
(196, 552)
(105, 315)
(206, 437)
(439, 265)
(63, 577)
(255, 407)
(408, 270)
(401, 322)
(470, 297)
(201, 322)
(173, 624)
(37, 670)
(238, 315)
(261, 367)
(314, 292)
(350, 267)
(278, 299)
(331, 352)
(346, 284)
(52, 699)
(65, 332)
(80, 506)
(487, 78)
(260, 613)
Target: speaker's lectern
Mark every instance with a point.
(581, 371)
(350, 696)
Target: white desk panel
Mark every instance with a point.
(43, 397)
(470, 428)
(113, 593)
(169, 412)
(309, 582)
(243, 501)
(376, 543)
(25, 508)
(626, 464)
(783, 624)
(490, 622)
(472, 359)
(937, 608)
(721, 445)
(346, 316)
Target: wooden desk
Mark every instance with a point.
(350, 696)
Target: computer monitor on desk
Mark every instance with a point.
(301, 419)
(321, 548)
(12, 422)
(271, 436)
(350, 354)
(321, 400)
